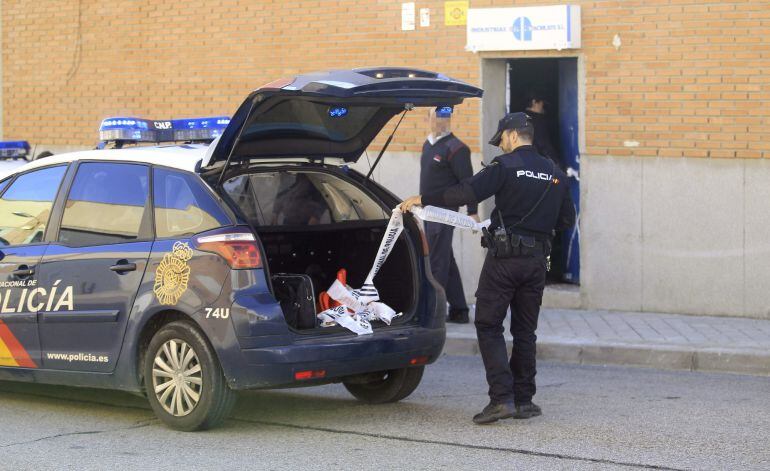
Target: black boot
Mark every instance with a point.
(494, 412)
(458, 316)
(527, 411)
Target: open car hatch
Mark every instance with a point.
(333, 114)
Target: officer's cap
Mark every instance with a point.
(509, 121)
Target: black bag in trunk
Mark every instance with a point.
(297, 297)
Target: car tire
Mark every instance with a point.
(187, 391)
(388, 386)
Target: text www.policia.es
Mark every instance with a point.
(85, 357)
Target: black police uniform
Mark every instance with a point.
(542, 140)
(518, 180)
(443, 164)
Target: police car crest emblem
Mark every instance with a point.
(173, 274)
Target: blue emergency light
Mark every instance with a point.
(127, 129)
(199, 129)
(338, 112)
(14, 149)
(444, 111)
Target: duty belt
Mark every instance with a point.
(528, 246)
(505, 244)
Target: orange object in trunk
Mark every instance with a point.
(324, 300)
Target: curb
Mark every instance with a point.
(707, 359)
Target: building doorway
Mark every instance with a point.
(555, 80)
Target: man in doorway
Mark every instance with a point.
(445, 162)
(536, 104)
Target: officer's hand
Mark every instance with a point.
(408, 203)
(475, 217)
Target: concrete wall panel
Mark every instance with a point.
(611, 228)
(692, 228)
(757, 241)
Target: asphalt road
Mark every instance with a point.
(594, 418)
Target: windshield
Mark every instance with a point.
(289, 198)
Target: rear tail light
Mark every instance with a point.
(239, 249)
(309, 374)
(421, 360)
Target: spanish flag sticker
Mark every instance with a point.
(12, 353)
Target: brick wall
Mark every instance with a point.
(692, 78)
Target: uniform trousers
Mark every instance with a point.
(518, 283)
(443, 265)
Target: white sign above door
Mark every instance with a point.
(525, 28)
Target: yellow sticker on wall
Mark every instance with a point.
(455, 13)
(173, 274)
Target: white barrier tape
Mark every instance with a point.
(340, 293)
(365, 302)
(329, 317)
(395, 226)
(340, 315)
(448, 217)
(367, 307)
(384, 312)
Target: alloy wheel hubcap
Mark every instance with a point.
(177, 378)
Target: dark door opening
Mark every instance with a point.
(554, 80)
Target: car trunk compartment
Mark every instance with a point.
(307, 237)
(321, 253)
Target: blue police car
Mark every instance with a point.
(187, 272)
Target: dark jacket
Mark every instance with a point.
(444, 164)
(542, 140)
(517, 180)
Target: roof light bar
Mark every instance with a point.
(14, 149)
(131, 129)
(148, 130)
(199, 129)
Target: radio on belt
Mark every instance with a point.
(123, 130)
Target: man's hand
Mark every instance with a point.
(410, 202)
(475, 217)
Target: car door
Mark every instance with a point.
(25, 208)
(93, 268)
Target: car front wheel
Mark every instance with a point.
(385, 386)
(184, 381)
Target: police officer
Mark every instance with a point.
(445, 162)
(531, 201)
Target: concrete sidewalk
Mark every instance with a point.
(668, 341)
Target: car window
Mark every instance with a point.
(183, 207)
(26, 206)
(105, 205)
(300, 199)
(3, 184)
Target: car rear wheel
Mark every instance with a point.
(385, 386)
(184, 381)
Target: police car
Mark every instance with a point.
(153, 269)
